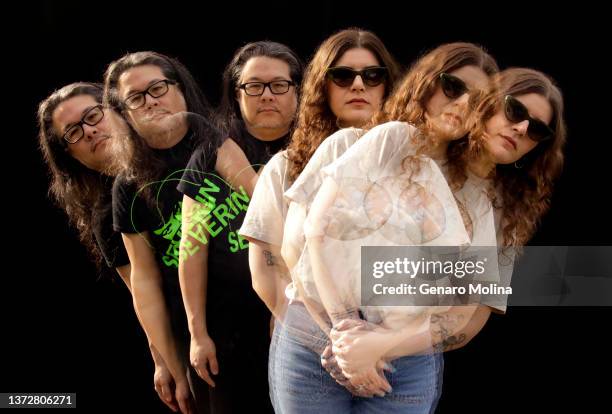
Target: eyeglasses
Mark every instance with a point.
(156, 90)
(516, 112)
(277, 87)
(452, 86)
(344, 76)
(92, 117)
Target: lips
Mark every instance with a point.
(267, 110)
(357, 101)
(510, 140)
(98, 142)
(156, 114)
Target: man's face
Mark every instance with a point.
(268, 115)
(153, 118)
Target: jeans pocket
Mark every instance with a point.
(301, 373)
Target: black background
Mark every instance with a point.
(67, 329)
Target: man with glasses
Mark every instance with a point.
(266, 107)
(164, 105)
(229, 324)
(75, 126)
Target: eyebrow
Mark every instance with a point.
(132, 92)
(256, 79)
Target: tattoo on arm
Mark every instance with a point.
(276, 265)
(269, 257)
(443, 331)
(347, 313)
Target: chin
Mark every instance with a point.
(269, 124)
(356, 118)
(452, 131)
(503, 157)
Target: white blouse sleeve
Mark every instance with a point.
(265, 217)
(307, 184)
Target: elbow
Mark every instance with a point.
(264, 289)
(463, 339)
(471, 330)
(258, 286)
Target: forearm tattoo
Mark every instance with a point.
(443, 329)
(347, 313)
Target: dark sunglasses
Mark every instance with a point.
(516, 112)
(452, 86)
(344, 76)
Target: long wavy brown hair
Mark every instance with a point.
(409, 99)
(523, 194)
(75, 188)
(316, 120)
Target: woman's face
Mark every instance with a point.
(445, 115)
(355, 104)
(154, 119)
(506, 141)
(91, 149)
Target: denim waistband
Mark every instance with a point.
(298, 326)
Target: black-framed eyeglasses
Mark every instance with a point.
(277, 87)
(156, 90)
(92, 117)
(516, 112)
(452, 86)
(344, 76)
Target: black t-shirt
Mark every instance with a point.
(160, 215)
(108, 240)
(222, 209)
(259, 152)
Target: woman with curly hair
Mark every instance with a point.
(346, 82)
(520, 125)
(428, 110)
(519, 122)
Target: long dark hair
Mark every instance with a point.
(135, 160)
(74, 187)
(316, 120)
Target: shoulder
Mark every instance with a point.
(123, 185)
(394, 129)
(278, 165)
(275, 174)
(382, 142)
(204, 155)
(341, 140)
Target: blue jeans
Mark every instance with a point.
(299, 384)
